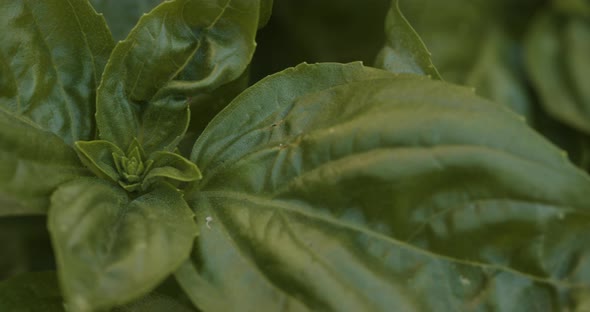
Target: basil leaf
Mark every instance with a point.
(404, 51)
(179, 49)
(111, 250)
(557, 52)
(122, 15)
(434, 195)
(303, 77)
(477, 43)
(53, 53)
(33, 162)
(205, 106)
(164, 124)
(36, 291)
(171, 166)
(99, 157)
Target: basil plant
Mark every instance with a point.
(169, 181)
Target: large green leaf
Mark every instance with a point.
(391, 194)
(111, 250)
(33, 163)
(557, 50)
(52, 55)
(404, 51)
(178, 50)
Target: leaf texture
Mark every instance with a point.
(178, 50)
(111, 250)
(366, 192)
(52, 54)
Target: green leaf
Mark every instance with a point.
(497, 74)
(179, 49)
(52, 55)
(477, 43)
(122, 15)
(557, 50)
(171, 166)
(111, 250)
(404, 51)
(33, 163)
(205, 106)
(36, 291)
(164, 124)
(398, 193)
(99, 156)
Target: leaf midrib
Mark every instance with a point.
(292, 208)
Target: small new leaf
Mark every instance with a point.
(171, 166)
(101, 157)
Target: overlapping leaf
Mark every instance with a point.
(52, 55)
(110, 249)
(179, 49)
(33, 162)
(362, 192)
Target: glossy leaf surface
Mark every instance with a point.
(33, 162)
(52, 55)
(404, 51)
(179, 49)
(396, 193)
(111, 250)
